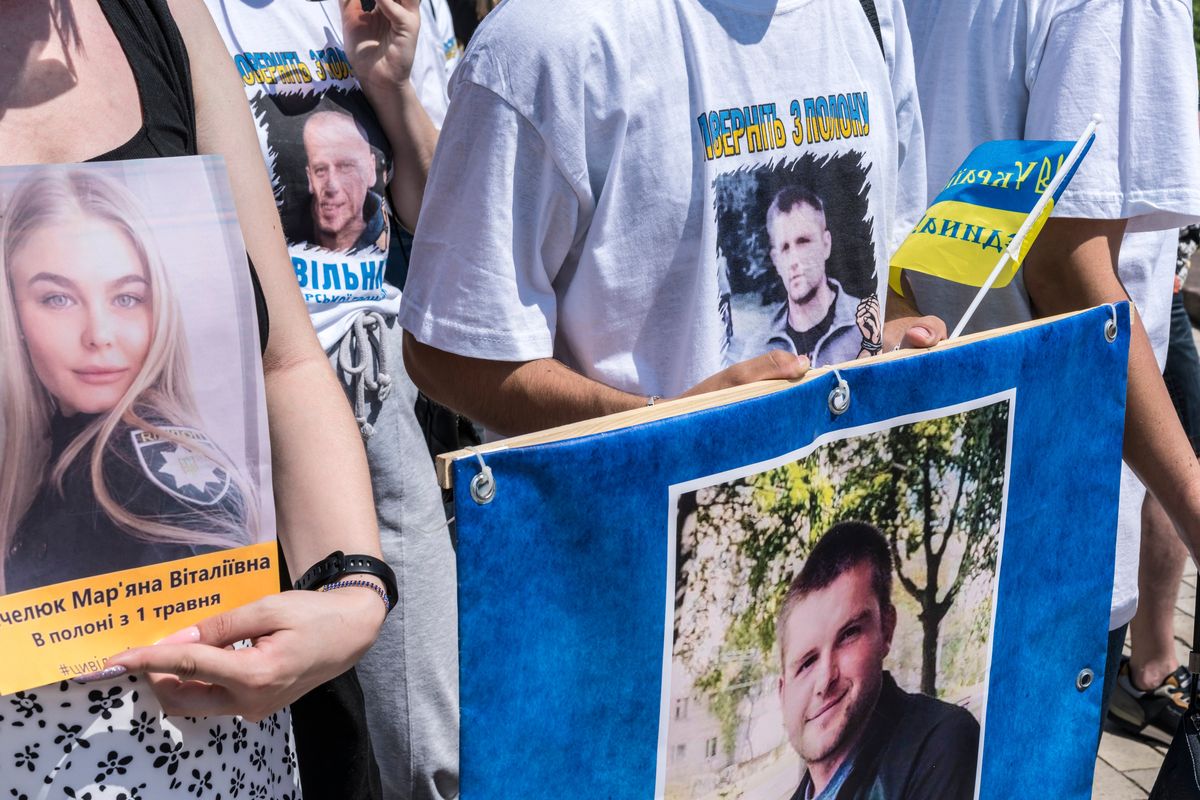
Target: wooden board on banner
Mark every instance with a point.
(670, 408)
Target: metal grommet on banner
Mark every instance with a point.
(483, 485)
(1110, 327)
(839, 398)
(1084, 679)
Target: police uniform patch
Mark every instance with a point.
(178, 470)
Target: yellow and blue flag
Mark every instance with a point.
(974, 219)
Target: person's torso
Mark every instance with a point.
(686, 118)
(972, 92)
(1005, 69)
(328, 158)
(904, 752)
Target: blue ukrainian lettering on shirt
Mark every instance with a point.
(758, 128)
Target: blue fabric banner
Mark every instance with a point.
(639, 616)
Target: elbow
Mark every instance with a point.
(476, 388)
(1052, 291)
(1044, 283)
(420, 361)
(441, 376)
(1073, 265)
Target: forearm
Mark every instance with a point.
(412, 138)
(1075, 271)
(1156, 446)
(322, 485)
(511, 398)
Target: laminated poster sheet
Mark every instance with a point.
(135, 478)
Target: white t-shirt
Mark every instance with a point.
(328, 158)
(436, 56)
(1039, 69)
(601, 188)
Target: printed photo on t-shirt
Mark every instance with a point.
(330, 179)
(330, 173)
(796, 247)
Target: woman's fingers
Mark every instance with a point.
(301, 640)
(200, 652)
(250, 621)
(260, 618)
(191, 698)
(187, 662)
(200, 679)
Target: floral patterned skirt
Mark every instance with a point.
(111, 741)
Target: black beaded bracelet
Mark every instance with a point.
(374, 587)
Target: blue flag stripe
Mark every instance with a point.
(1075, 167)
(1006, 175)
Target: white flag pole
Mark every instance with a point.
(1013, 251)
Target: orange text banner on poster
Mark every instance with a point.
(69, 629)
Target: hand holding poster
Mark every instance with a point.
(135, 486)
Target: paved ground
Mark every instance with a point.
(1126, 767)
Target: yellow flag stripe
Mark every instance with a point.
(962, 242)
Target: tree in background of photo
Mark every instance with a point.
(935, 488)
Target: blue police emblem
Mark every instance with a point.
(179, 470)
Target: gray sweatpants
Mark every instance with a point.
(410, 676)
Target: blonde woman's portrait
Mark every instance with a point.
(108, 462)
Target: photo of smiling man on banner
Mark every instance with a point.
(831, 617)
(841, 708)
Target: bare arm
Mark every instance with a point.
(1073, 266)
(322, 485)
(519, 397)
(380, 45)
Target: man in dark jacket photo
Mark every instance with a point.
(859, 734)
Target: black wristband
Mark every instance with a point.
(337, 565)
(870, 346)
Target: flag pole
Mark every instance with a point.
(1013, 251)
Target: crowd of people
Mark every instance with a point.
(559, 214)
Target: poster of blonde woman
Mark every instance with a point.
(135, 485)
(831, 620)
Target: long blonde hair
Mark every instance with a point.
(161, 390)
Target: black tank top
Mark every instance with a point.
(158, 59)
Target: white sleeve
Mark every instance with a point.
(428, 73)
(910, 133)
(1132, 62)
(497, 223)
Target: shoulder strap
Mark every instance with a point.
(158, 58)
(868, 7)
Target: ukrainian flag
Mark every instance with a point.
(974, 220)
